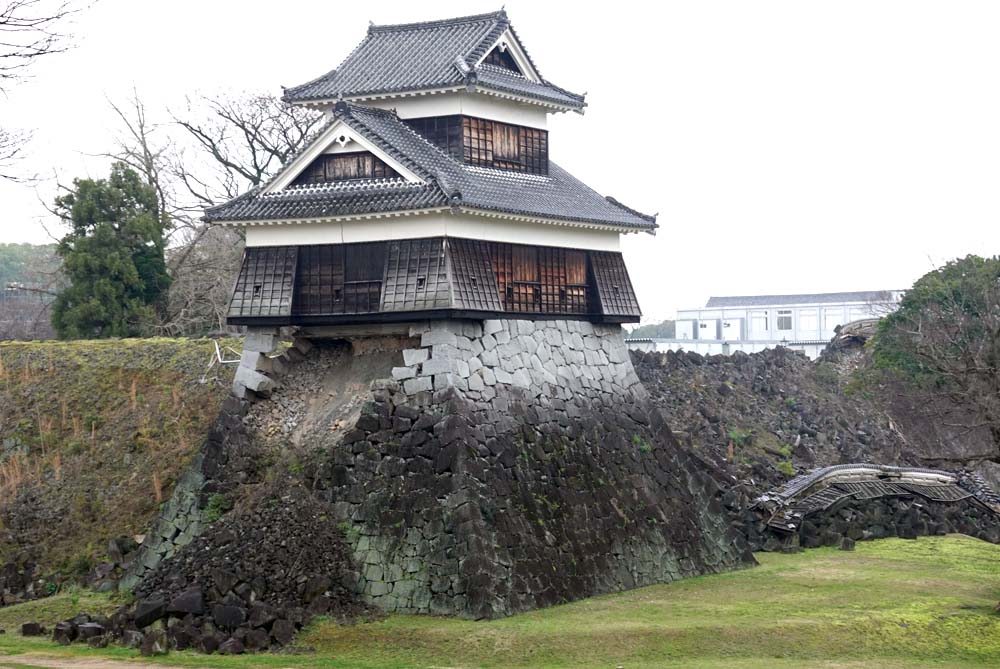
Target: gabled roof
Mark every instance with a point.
(812, 298)
(449, 183)
(432, 55)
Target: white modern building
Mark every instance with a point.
(753, 323)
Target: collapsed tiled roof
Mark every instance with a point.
(428, 56)
(449, 183)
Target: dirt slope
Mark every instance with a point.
(93, 435)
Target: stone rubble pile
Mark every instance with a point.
(248, 583)
(766, 415)
(863, 520)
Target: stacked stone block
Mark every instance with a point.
(514, 464)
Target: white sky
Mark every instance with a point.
(787, 146)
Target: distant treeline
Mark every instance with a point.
(664, 330)
(32, 265)
(29, 277)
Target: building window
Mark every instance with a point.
(758, 321)
(831, 319)
(487, 143)
(858, 313)
(808, 320)
(784, 319)
(339, 278)
(505, 146)
(540, 279)
(444, 131)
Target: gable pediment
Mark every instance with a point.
(344, 166)
(340, 153)
(508, 54)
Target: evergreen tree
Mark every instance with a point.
(112, 257)
(944, 341)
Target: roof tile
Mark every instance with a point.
(429, 55)
(557, 196)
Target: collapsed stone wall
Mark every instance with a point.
(862, 520)
(225, 461)
(472, 468)
(513, 464)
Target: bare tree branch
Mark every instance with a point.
(215, 150)
(29, 29)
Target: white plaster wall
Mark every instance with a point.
(468, 104)
(433, 225)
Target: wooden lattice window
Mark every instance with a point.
(444, 131)
(477, 135)
(319, 286)
(364, 268)
(339, 279)
(541, 280)
(506, 146)
(345, 167)
(502, 58)
(486, 143)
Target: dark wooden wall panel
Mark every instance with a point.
(265, 285)
(344, 167)
(487, 143)
(503, 59)
(339, 279)
(434, 274)
(474, 284)
(614, 287)
(541, 280)
(416, 276)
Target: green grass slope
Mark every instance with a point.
(892, 603)
(93, 435)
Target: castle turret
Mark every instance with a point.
(429, 193)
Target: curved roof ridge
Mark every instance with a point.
(500, 15)
(636, 212)
(487, 40)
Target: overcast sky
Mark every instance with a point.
(786, 146)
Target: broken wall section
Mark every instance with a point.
(514, 464)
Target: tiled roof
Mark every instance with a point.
(811, 298)
(452, 183)
(428, 56)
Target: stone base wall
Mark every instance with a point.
(502, 466)
(512, 464)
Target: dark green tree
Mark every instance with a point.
(944, 341)
(112, 258)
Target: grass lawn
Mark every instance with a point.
(891, 603)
